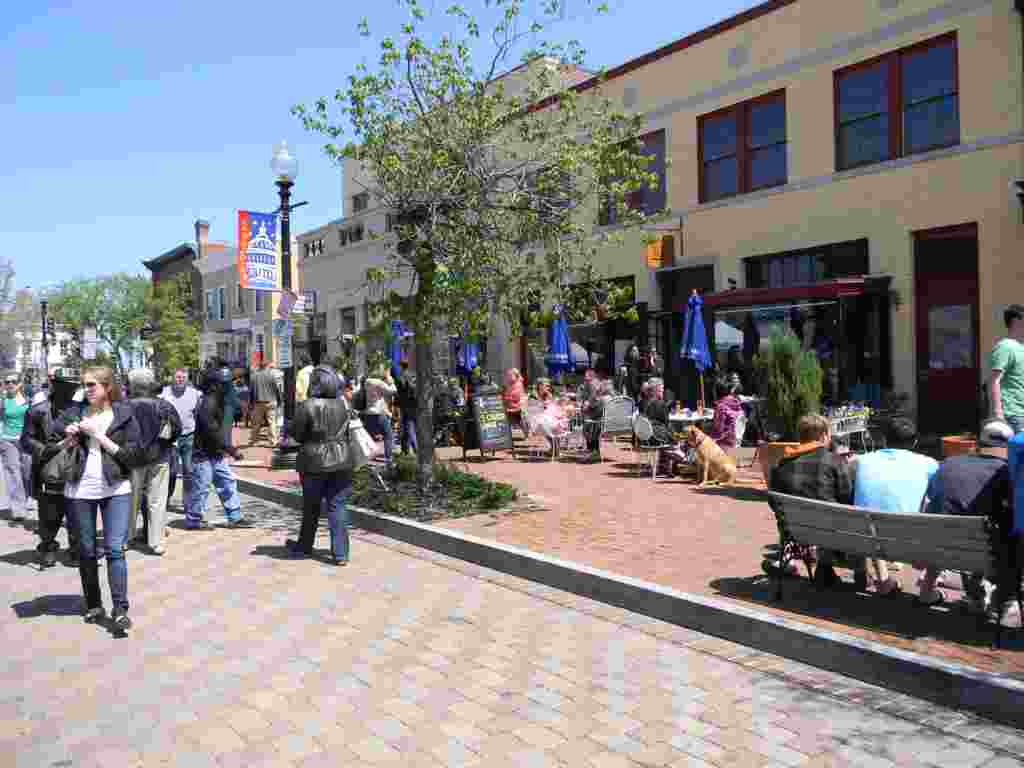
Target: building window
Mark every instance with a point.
(240, 298)
(647, 200)
(258, 301)
(390, 222)
(211, 305)
(899, 104)
(65, 347)
(360, 202)
(810, 265)
(743, 148)
(220, 303)
(355, 234)
(26, 348)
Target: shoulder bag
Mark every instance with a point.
(361, 447)
(57, 470)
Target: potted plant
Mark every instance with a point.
(791, 380)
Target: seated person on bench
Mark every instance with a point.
(813, 471)
(893, 479)
(976, 484)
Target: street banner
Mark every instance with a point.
(257, 251)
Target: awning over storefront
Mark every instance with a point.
(841, 288)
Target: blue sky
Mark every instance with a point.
(124, 122)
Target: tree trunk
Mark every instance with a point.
(424, 413)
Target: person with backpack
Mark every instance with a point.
(159, 429)
(320, 427)
(212, 446)
(41, 439)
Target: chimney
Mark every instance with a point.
(202, 236)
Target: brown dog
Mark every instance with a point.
(715, 465)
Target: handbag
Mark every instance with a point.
(58, 468)
(361, 447)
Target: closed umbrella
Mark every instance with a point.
(394, 348)
(559, 357)
(695, 340)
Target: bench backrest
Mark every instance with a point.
(943, 541)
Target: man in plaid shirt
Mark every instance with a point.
(813, 471)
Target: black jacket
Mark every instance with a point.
(151, 413)
(212, 436)
(40, 439)
(406, 386)
(124, 431)
(320, 427)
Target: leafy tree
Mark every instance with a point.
(175, 338)
(494, 181)
(115, 306)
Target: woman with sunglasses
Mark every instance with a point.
(106, 437)
(17, 465)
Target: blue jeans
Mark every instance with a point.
(377, 424)
(332, 488)
(219, 471)
(1016, 423)
(115, 511)
(409, 432)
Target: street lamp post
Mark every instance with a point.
(43, 304)
(286, 168)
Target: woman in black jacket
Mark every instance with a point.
(105, 438)
(40, 439)
(212, 444)
(320, 427)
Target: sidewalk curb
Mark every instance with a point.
(993, 695)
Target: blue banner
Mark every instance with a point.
(257, 251)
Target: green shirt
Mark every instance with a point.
(1008, 357)
(13, 418)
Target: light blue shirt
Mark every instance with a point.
(892, 480)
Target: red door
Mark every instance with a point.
(946, 301)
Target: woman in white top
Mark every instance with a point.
(377, 416)
(104, 437)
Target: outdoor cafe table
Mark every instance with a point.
(679, 421)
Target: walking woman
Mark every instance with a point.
(17, 464)
(106, 437)
(320, 427)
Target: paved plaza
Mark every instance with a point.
(242, 658)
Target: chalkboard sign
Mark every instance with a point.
(493, 432)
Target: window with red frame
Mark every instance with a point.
(646, 199)
(899, 104)
(743, 147)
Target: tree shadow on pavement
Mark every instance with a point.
(50, 605)
(896, 616)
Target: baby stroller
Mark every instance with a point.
(447, 422)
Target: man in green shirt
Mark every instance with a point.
(1007, 364)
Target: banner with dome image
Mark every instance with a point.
(258, 256)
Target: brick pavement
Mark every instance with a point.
(707, 542)
(241, 658)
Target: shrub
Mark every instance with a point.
(791, 380)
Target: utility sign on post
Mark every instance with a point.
(283, 330)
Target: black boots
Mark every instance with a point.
(89, 570)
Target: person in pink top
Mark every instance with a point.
(728, 410)
(513, 396)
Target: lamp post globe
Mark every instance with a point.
(283, 163)
(286, 168)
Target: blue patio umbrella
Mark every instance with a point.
(394, 348)
(468, 356)
(695, 340)
(559, 356)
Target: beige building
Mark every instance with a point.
(843, 170)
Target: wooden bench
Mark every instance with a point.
(948, 542)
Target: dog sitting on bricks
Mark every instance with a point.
(714, 465)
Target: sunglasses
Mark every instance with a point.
(11, 381)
